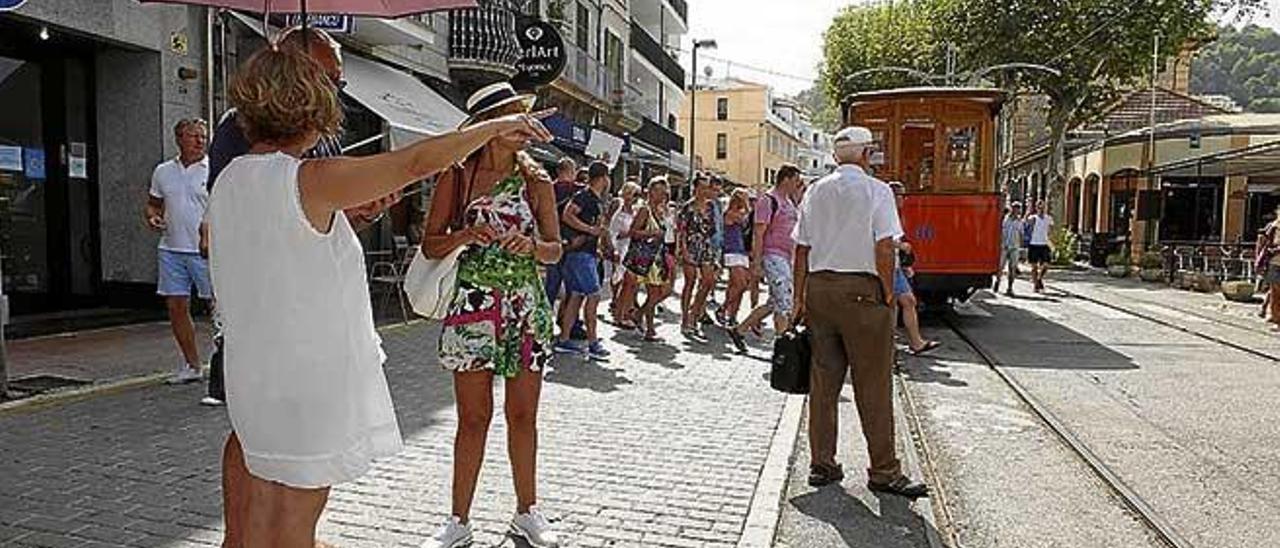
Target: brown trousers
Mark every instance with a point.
(852, 330)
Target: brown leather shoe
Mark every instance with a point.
(822, 474)
(903, 486)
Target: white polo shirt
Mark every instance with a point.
(842, 217)
(1040, 231)
(185, 196)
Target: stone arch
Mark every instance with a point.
(1089, 201)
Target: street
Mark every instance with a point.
(670, 444)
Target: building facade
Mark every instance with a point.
(745, 133)
(98, 86)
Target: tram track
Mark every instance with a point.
(1178, 327)
(1163, 530)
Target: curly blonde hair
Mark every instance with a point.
(281, 95)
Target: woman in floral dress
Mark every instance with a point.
(500, 205)
(699, 256)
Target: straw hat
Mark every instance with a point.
(495, 96)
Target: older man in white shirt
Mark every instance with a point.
(844, 289)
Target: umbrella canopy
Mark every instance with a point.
(368, 8)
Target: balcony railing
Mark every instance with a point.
(588, 73)
(681, 8)
(655, 134)
(653, 52)
(484, 38)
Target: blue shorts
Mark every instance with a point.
(901, 285)
(581, 273)
(178, 272)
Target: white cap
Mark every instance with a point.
(854, 135)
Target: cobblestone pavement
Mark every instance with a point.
(104, 354)
(662, 446)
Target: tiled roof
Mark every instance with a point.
(1133, 111)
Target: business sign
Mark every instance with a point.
(10, 5)
(329, 22)
(542, 57)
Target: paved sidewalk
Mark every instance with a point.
(104, 355)
(661, 447)
(848, 514)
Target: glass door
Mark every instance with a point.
(24, 234)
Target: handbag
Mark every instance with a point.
(791, 362)
(430, 284)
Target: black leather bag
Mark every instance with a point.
(792, 358)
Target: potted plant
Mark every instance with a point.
(1240, 291)
(1117, 265)
(1151, 267)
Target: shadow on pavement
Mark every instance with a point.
(582, 373)
(856, 522)
(1017, 337)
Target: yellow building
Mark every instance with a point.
(743, 133)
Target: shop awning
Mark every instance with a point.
(1253, 160)
(411, 109)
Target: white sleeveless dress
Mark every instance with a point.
(305, 387)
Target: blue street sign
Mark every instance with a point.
(8, 5)
(330, 22)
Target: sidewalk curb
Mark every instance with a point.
(43, 401)
(766, 502)
(62, 397)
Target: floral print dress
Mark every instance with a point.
(699, 227)
(500, 320)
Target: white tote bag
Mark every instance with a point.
(431, 284)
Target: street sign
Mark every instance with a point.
(10, 5)
(542, 56)
(332, 23)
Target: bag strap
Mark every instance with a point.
(462, 188)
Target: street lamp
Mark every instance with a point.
(693, 104)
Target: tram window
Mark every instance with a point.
(917, 139)
(962, 153)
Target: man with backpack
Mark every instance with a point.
(772, 249)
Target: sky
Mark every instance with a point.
(760, 37)
(782, 36)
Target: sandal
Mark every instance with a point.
(929, 346)
(650, 336)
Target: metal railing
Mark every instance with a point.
(484, 38)
(651, 50)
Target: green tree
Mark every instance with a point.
(1101, 47)
(824, 113)
(1243, 64)
(868, 36)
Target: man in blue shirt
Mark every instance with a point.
(1011, 231)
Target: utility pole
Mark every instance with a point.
(693, 105)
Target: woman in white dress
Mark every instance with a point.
(620, 235)
(307, 397)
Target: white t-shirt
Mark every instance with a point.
(842, 218)
(1040, 230)
(185, 194)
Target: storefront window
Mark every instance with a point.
(23, 226)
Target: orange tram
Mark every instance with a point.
(940, 143)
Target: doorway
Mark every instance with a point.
(49, 236)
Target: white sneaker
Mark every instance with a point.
(534, 528)
(453, 534)
(210, 401)
(186, 374)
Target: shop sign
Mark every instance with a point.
(543, 56)
(332, 23)
(10, 5)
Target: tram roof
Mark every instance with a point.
(985, 95)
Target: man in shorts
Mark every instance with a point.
(772, 249)
(175, 208)
(1039, 251)
(584, 220)
(1011, 230)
